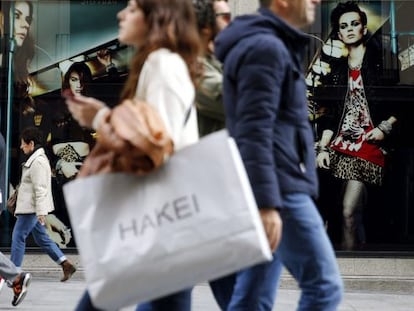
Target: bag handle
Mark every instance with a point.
(187, 115)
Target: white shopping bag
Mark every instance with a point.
(195, 219)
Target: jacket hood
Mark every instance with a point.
(265, 22)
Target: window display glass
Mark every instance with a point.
(360, 83)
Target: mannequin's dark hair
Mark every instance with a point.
(341, 9)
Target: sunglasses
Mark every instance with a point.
(226, 15)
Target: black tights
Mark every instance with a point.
(354, 200)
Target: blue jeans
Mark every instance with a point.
(26, 224)
(180, 301)
(85, 303)
(305, 251)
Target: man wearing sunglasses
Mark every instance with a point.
(223, 14)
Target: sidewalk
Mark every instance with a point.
(387, 275)
(379, 284)
(48, 294)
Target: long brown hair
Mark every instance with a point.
(23, 55)
(172, 25)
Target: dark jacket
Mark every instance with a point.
(264, 95)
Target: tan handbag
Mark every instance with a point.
(132, 138)
(11, 201)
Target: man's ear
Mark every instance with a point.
(280, 4)
(365, 30)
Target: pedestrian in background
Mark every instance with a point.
(266, 112)
(222, 16)
(9, 273)
(34, 202)
(209, 99)
(222, 12)
(162, 73)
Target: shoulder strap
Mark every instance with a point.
(187, 115)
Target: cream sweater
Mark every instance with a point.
(165, 83)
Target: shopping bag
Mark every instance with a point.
(194, 219)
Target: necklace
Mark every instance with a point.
(356, 67)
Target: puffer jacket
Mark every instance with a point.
(264, 95)
(35, 190)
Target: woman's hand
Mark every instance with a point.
(382, 130)
(41, 219)
(375, 135)
(84, 109)
(104, 57)
(322, 160)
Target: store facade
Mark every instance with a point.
(73, 44)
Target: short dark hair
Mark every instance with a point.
(32, 134)
(205, 14)
(341, 9)
(265, 3)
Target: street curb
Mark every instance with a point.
(390, 275)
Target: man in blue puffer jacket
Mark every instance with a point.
(266, 112)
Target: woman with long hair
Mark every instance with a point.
(352, 142)
(77, 79)
(162, 73)
(23, 106)
(24, 51)
(69, 145)
(24, 43)
(70, 142)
